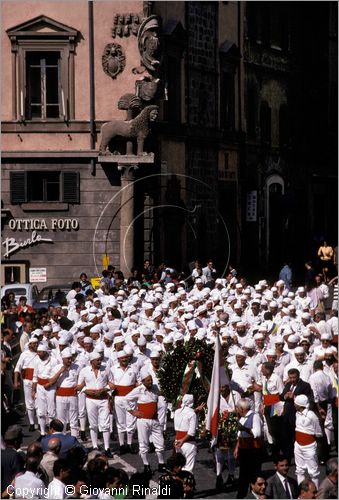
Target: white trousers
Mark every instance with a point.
(189, 450)
(98, 414)
(45, 406)
(306, 460)
(125, 421)
(82, 410)
(67, 412)
(29, 401)
(162, 412)
(150, 428)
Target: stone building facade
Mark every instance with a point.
(244, 145)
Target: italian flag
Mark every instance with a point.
(213, 400)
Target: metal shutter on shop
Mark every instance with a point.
(18, 187)
(71, 185)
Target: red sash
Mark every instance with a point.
(123, 390)
(149, 410)
(180, 434)
(271, 399)
(43, 381)
(66, 391)
(27, 373)
(304, 439)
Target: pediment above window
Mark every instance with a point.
(41, 27)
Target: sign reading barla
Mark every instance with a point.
(12, 245)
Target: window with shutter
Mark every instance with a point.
(71, 187)
(18, 187)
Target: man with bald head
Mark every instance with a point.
(47, 462)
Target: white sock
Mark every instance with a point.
(121, 436)
(31, 416)
(94, 438)
(105, 435)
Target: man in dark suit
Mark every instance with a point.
(68, 442)
(294, 387)
(280, 485)
(257, 487)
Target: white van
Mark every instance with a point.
(21, 290)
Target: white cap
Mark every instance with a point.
(191, 325)
(43, 347)
(66, 353)
(88, 340)
(270, 352)
(299, 350)
(258, 336)
(293, 339)
(300, 289)
(325, 336)
(155, 354)
(273, 303)
(306, 316)
(84, 311)
(144, 372)
(94, 355)
(141, 341)
(118, 339)
(128, 350)
(109, 336)
(241, 352)
(47, 328)
(168, 339)
(32, 340)
(301, 400)
(249, 344)
(96, 328)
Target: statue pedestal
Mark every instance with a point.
(127, 164)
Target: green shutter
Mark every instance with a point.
(18, 187)
(71, 185)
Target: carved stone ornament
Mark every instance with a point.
(136, 128)
(147, 88)
(149, 43)
(124, 24)
(113, 60)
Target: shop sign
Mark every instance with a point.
(37, 274)
(12, 245)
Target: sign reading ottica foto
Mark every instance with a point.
(37, 274)
(12, 245)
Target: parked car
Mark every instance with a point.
(28, 290)
(52, 295)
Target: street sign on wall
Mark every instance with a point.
(251, 206)
(37, 274)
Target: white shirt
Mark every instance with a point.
(92, 381)
(230, 403)
(273, 385)
(27, 359)
(321, 386)
(34, 487)
(44, 369)
(69, 378)
(243, 376)
(308, 423)
(56, 490)
(185, 420)
(256, 425)
(123, 376)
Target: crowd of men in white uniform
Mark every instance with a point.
(104, 370)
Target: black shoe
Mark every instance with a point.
(148, 470)
(230, 480)
(162, 468)
(108, 453)
(122, 450)
(219, 484)
(83, 436)
(151, 448)
(31, 428)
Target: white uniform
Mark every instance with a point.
(162, 403)
(25, 366)
(125, 380)
(82, 361)
(148, 426)
(66, 397)
(305, 446)
(45, 398)
(97, 408)
(185, 422)
(305, 370)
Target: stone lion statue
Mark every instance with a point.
(137, 128)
